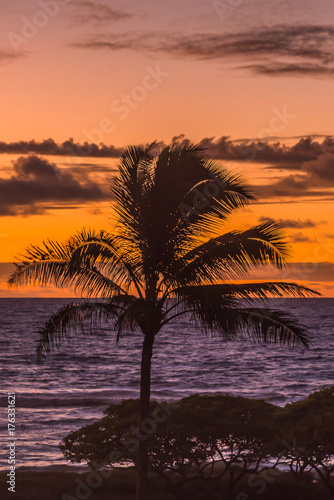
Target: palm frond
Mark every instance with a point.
(272, 326)
(65, 264)
(90, 282)
(68, 319)
(128, 186)
(48, 263)
(223, 314)
(231, 255)
(188, 197)
(120, 264)
(251, 291)
(41, 273)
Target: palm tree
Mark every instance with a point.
(166, 256)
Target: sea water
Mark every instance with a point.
(89, 372)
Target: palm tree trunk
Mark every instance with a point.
(145, 391)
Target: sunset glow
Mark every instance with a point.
(111, 74)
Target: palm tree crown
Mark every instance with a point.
(167, 255)
(164, 245)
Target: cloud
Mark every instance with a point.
(276, 154)
(300, 238)
(310, 162)
(318, 271)
(297, 271)
(291, 187)
(289, 69)
(321, 170)
(88, 12)
(294, 224)
(67, 148)
(8, 56)
(297, 237)
(315, 178)
(287, 50)
(38, 185)
(98, 170)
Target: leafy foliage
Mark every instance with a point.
(209, 437)
(179, 435)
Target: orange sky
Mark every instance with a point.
(123, 73)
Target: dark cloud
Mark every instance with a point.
(309, 162)
(294, 224)
(288, 50)
(88, 12)
(300, 238)
(99, 171)
(321, 170)
(115, 42)
(289, 69)
(277, 154)
(223, 148)
(67, 148)
(291, 186)
(315, 178)
(37, 184)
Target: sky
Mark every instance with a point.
(252, 81)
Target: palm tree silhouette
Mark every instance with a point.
(166, 256)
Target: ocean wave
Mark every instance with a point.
(56, 402)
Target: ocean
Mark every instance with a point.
(86, 374)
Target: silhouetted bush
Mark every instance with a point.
(216, 438)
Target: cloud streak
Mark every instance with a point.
(294, 223)
(8, 56)
(298, 271)
(286, 50)
(96, 13)
(300, 238)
